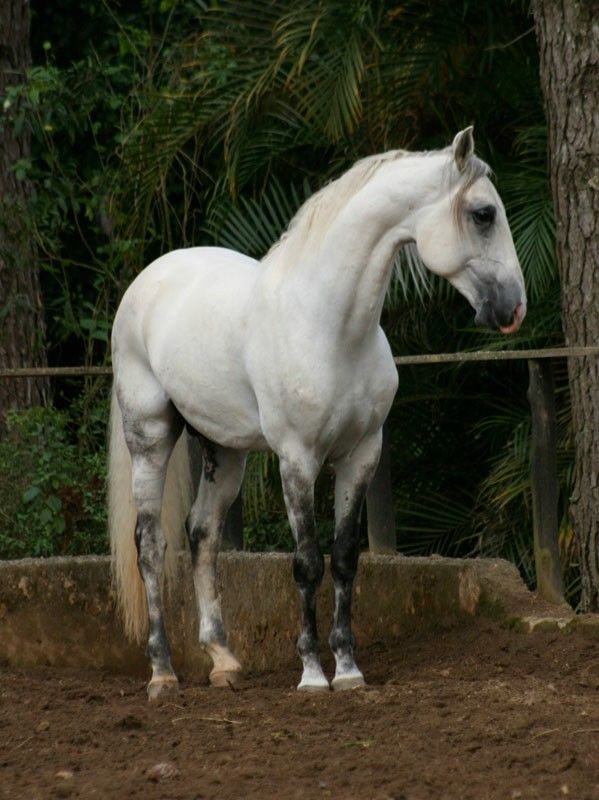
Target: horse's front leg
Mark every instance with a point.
(298, 476)
(353, 474)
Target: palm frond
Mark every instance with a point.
(254, 224)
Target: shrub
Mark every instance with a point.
(51, 493)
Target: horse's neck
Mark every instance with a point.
(347, 276)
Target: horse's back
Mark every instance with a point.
(178, 288)
(190, 268)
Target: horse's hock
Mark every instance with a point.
(61, 611)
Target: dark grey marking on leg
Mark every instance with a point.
(150, 554)
(308, 569)
(308, 561)
(209, 460)
(199, 536)
(344, 563)
(217, 633)
(195, 535)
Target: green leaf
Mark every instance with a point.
(59, 525)
(30, 494)
(54, 503)
(45, 516)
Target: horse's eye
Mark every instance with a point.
(484, 216)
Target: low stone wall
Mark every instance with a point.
(60, 611)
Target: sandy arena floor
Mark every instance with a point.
(477, 712)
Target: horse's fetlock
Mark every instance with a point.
(212, 632)
(340, 640)
(306, 644)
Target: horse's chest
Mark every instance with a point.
(357, 409)
(330, 408)
(317, 395)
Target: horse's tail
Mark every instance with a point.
(122, 516)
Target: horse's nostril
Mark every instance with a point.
(517, 318)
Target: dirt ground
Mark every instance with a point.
(477, 712)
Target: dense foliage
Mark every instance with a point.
(193, 122)
(51, 495)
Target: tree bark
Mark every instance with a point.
(568, 37)
(22, 329)
(545, 487)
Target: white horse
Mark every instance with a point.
(285, 353)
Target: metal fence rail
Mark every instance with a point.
(379, 502)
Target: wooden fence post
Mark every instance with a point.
(379, 505)
(233, 530)
(232, 538)
(545, 489)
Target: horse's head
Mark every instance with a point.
(464, 236)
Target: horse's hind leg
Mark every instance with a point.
(219, 486)
(353, 474)
(151, 436)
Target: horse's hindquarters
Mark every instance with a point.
(184, 320)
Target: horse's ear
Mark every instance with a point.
(463, 147)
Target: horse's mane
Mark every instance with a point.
(316, 214)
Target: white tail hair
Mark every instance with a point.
(122, 515)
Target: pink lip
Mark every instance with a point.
(516, 322)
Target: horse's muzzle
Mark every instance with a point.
(506, 317)
(518, 316)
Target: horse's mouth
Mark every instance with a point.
(516, 320)
(491, 316)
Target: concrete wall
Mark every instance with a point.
(60, 611)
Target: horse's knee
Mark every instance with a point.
(308, 565)
(344, 558)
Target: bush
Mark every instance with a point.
(51, 493)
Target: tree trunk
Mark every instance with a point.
(545, 487)
(568, 36)
(22, 330)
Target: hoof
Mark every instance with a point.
(313, 681)
(353, 680)
(225, 678)
(161, 688)
(314, 687)
(313, 678)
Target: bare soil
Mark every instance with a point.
(477, 712)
